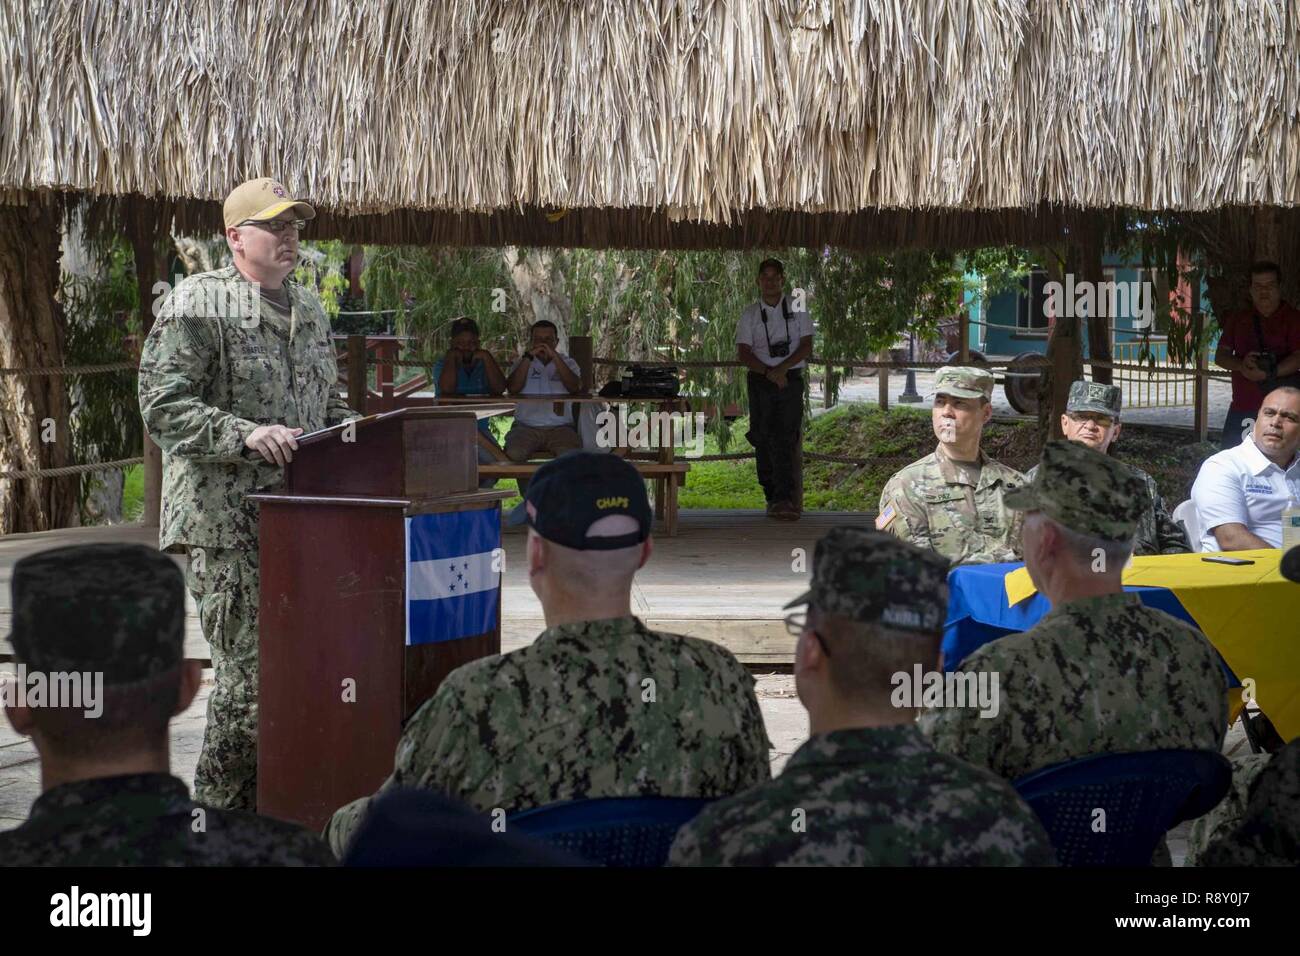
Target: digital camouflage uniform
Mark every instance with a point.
(1219, 823)
(1157, 532)
(871, 796)
(1095, 675)
(148, 819)
(939, 504)
(218, 363)
(574, 715)
(119, 611)
(1268, 833)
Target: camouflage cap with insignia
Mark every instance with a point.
(1095, 397)
(963, 381)
(870, 576)
(114, 608)
(1084, 491)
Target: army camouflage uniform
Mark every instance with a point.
(572, 716)
(1097, 674)
(876, 796)
(217, 364)
(1219, 823)
(1157, 532)
(871, 796)
(1269, 831)
(936, 505)
(148, 819)
(118, 610)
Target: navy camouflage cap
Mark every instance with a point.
(1095, 397)
(963, 381)
(1084, 491)
(871, 576)
(118, 609)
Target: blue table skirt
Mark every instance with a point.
(978, 612)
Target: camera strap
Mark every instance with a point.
(785, 311)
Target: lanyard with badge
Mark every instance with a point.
(780, 349)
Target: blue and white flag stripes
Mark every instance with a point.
(453, 574)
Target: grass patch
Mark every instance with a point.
(133, 493)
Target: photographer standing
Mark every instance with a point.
(1261, 347)
(773, 341)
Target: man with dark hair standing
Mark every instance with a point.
(1261, 347)
(116, 613)
(774, 341)
(867, 789)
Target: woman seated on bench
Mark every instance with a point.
(467, 369)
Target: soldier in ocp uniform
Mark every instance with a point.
(1100, 672)
(866, 788)
(951, 501)
(238, 364)
(1092, 418)
(598, 705)
(115, 614)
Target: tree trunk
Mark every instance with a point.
(35, 411)
(1090, 269)
(1064, 359)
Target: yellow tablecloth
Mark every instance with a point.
(1250, 613)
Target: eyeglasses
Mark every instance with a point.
(1104, 421)
(277, 226)
(796, 624)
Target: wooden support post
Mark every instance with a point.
(580, 350)
(882, 378)
(357, 372)
(826, 385)
(142, 226)
(1201, 387)
(963, 334)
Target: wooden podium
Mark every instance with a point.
(337, 679)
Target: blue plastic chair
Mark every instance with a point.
(612, 831)
(1144, 795)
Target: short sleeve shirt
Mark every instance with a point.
(545, 380)
(753, 332)
(1281, 333)
(1241, 486)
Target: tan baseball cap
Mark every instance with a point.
(260, 200)
(961, 381)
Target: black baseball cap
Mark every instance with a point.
(570, 494)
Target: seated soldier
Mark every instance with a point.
(1268, 832)
(951, 501)
(108, 796)
(1100, 672)
(598, 705)
(867, 789)
(1092, 418)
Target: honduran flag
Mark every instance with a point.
(453, 573)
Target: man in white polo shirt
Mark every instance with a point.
(1240, 493)
(773, 341)
(542, 426)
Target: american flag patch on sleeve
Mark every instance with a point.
(886, 516)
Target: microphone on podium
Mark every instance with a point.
(1291, 564)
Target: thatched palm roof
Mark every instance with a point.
(658, 120)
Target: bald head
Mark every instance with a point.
(587, 584)
(1277, 426)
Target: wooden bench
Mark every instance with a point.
(666, 476)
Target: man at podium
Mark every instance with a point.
(238, 364)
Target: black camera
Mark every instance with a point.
(779, 349)
(1267, 362)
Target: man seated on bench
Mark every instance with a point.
(467, 369)
(542, 426)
